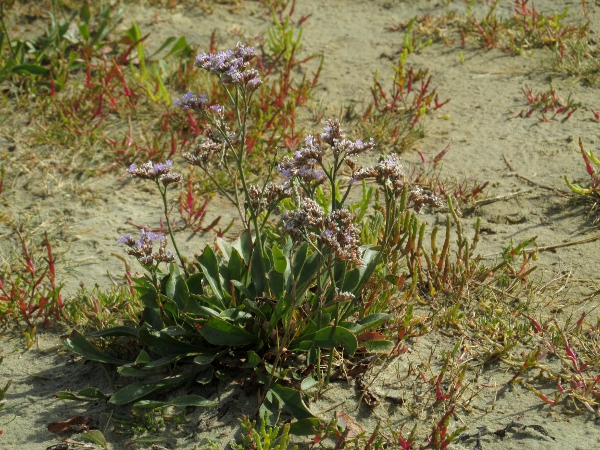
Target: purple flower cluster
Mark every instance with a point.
(336, 138)
(191, 101)
(143, 248)
(159, 171)
(232, 65)
(303, 164)
(342, 236)
(335, 230)
(389, 174)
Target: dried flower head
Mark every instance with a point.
(342, 296)
(334, 230)
(142, 249)
(170, 178)
(231, 66)
(213, 144)
(304, 221)
(419, 198)
(269, 197)
(389, 174)
(332, 132)
(159, 171)
(335, 137)
(341, 235)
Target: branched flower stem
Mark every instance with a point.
(163, 194)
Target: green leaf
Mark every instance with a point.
(299, 258)
(146, 291)
(176, 289)
(292, 402)
(328, 337)
(277, 284)
(206, 375)
(210, 267)
(194, 284)
(254, 309)
(220, 332)
(257, 272)
(165, 361)
(194, 307)
(371, 321)
(308, 273)
(182, 402)
(142, 359)
(84, 13)
(136, 391)
(164, 45)
(84, 30)
(31, 69)
(143, 367)
(305, 427)
(308, 383)
(166, 345)
(252, 361)
(242, 245)
(237, 268)
(80, 345)
(350, 281)
(175, 331)
(133, 372)
(235, 315)
(85, 395)
(243, 289)
(279, 260)
(204, 360)
(270, 408)
(95, 436)
(181, 46)
(116, 331)
(370, 261)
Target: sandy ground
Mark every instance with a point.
(352, 34)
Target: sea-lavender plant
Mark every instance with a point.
(296, 289)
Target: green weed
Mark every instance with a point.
(590, 193)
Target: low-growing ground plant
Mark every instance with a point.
(573, 52)
(549, 104)
(29, 289)
(591, 192)
(395, 114)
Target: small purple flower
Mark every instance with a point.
(254, 83)
(230, 65)
(158, 172)
(191, 101)
(127, 240)
(218, 110)
(142, 249)
(161, 169)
